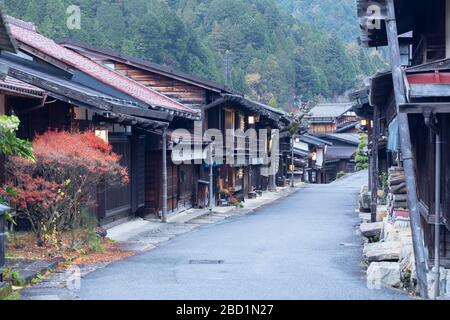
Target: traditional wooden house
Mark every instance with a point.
(340, 156)
(298, 159)
(188, 183)
(316, 161)
(411, 105)
(82, 94)
(221, 109)
(234, 112)
(332, 117)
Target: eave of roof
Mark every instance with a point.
(352, 124)
(315, 141)
(359, 94)
(329, 111)
(364, 110)
(380, 84)
(340, 153)
(29, 37)
(439, 65)
(276, 115)
(146, 65)
(349, 138)
(21, 88)
(301, 153)
(76, 94)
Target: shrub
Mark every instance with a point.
(362, 159)
(52, 191)
(13, 277)
(10, 145)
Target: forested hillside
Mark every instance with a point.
(274, 56)
(331, 15)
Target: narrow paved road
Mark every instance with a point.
(302, 247)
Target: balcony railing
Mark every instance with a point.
(241, 144)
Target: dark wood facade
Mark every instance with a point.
(199, 94)
(185, 93)
(419, 97)
(180, 181)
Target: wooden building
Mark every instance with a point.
(82, 94)
(316, 161)
(411, 106)
(338, 125)
(221, 109)
(340, 155)
(234, 112)
(188, 183)
(332, 117)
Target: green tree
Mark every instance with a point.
(273, 103)
(303, 47)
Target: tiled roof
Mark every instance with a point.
(16, 86)
(351, 138)
(336, 153)
(146, 65)
(50, 48)
(309, 139)
(330, 110)
(79, 95)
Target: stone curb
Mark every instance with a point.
(32, 270)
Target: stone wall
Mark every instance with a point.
(388, 249)
(389, 254)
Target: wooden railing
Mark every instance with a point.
(241, 143)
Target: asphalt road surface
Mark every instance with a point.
(301, 247)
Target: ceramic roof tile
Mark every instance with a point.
(17, 86)
(48, 47)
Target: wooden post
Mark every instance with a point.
(211, 178)
(406, 149)
(292, 163)
(374, 165)
(250, 176)
(164, 173)
(437, 213)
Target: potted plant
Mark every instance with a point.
(224, 194)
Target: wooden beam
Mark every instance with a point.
(406, 149)
(429, 90)
(53, 87)
(141, 112)
(374, 165)
(45, 57)
(420, 108)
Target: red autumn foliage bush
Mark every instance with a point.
(53, 191)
